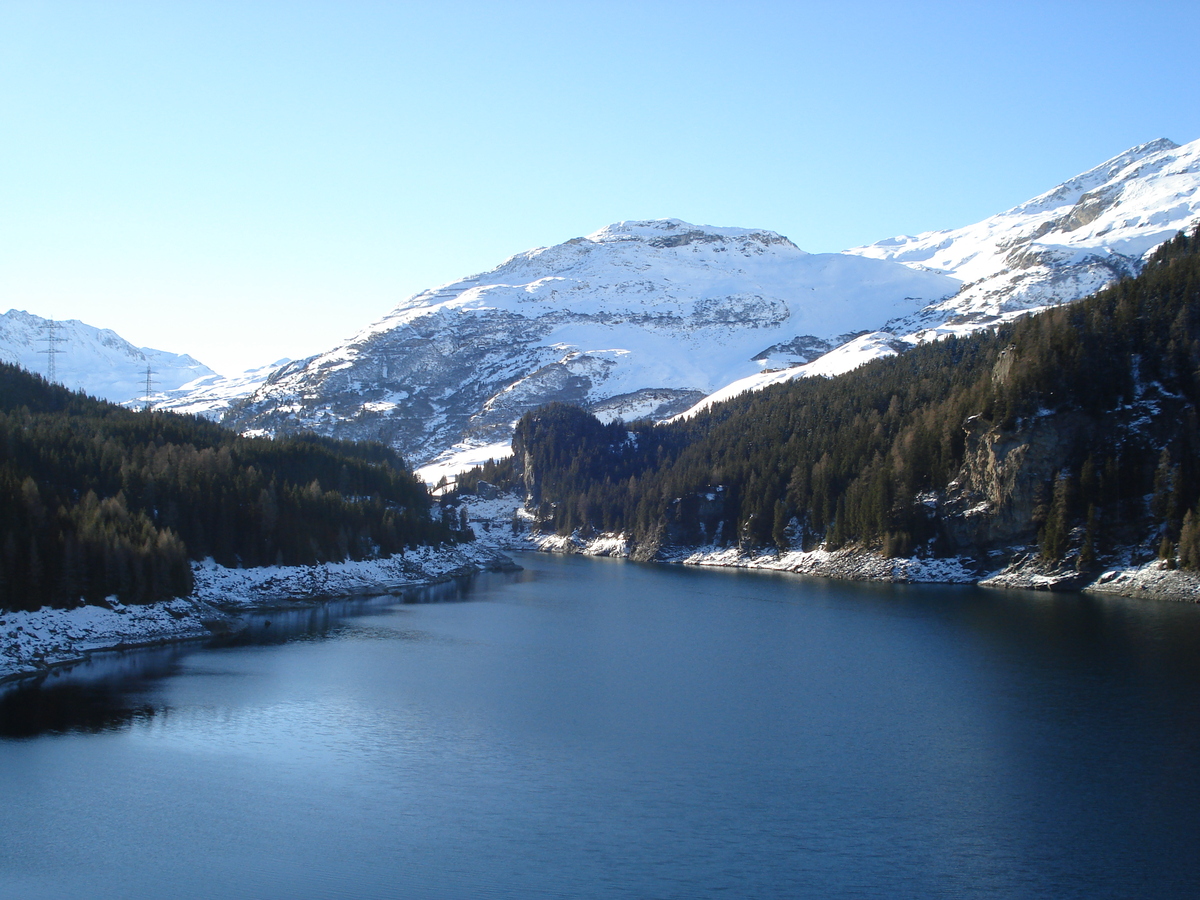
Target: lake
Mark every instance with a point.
(598, 728)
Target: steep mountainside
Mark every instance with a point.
(640, 319)
(1059, 246)
(649, 319)
(95, 360)
(1056, 248)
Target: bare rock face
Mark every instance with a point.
(991, 503)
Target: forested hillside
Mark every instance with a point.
(97, 500)
(1100, 397)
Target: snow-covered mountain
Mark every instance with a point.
(95, 360)
(1058, 247)
(638, 319)
(212, 395)
(647, 318)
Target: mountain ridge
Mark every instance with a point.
(656, 318)
(643, 318)
(639, 318)
(1058, 247)
(96, 360)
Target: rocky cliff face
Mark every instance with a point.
(1004, 474)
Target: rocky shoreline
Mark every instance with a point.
(1154, 579)
(32, 643)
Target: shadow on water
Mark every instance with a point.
(108, 692)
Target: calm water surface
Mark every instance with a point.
(592, 728)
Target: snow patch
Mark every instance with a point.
(32, 642)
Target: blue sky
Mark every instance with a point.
(249, 180)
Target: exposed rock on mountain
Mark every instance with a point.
(637, 319)
(1056, 248)
(645, 319)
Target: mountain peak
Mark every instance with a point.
(639, 319)
(1061, 245)
(1122, 167)
(678, 233)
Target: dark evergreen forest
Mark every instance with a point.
(97, 500)
(852, 459)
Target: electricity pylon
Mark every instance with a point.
(149, 388)
(52, 340)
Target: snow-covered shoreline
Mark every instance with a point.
(493, 520)
(34, 642)
(845, 565)
(1153, 580)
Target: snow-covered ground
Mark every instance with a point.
(1058, 247)
(1154, 580)
(1124, 207)
(647, 318)
(846, 564)
(460, 458)
(850, 565)
(31, 642)
(847, 357)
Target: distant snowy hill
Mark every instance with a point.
(95, 360)
(1057, 247)
(638, 319)
(212, 395)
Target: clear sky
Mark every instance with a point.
(249, 180)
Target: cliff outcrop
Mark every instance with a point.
(994, 500)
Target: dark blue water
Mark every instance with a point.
(591, 728)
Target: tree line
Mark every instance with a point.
(97, 500)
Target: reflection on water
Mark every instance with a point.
(603, 729)
(105, 692)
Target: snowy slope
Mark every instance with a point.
(1060, 246)
(212, 395)
(646, 318)
(638, 319)
(96, 360)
